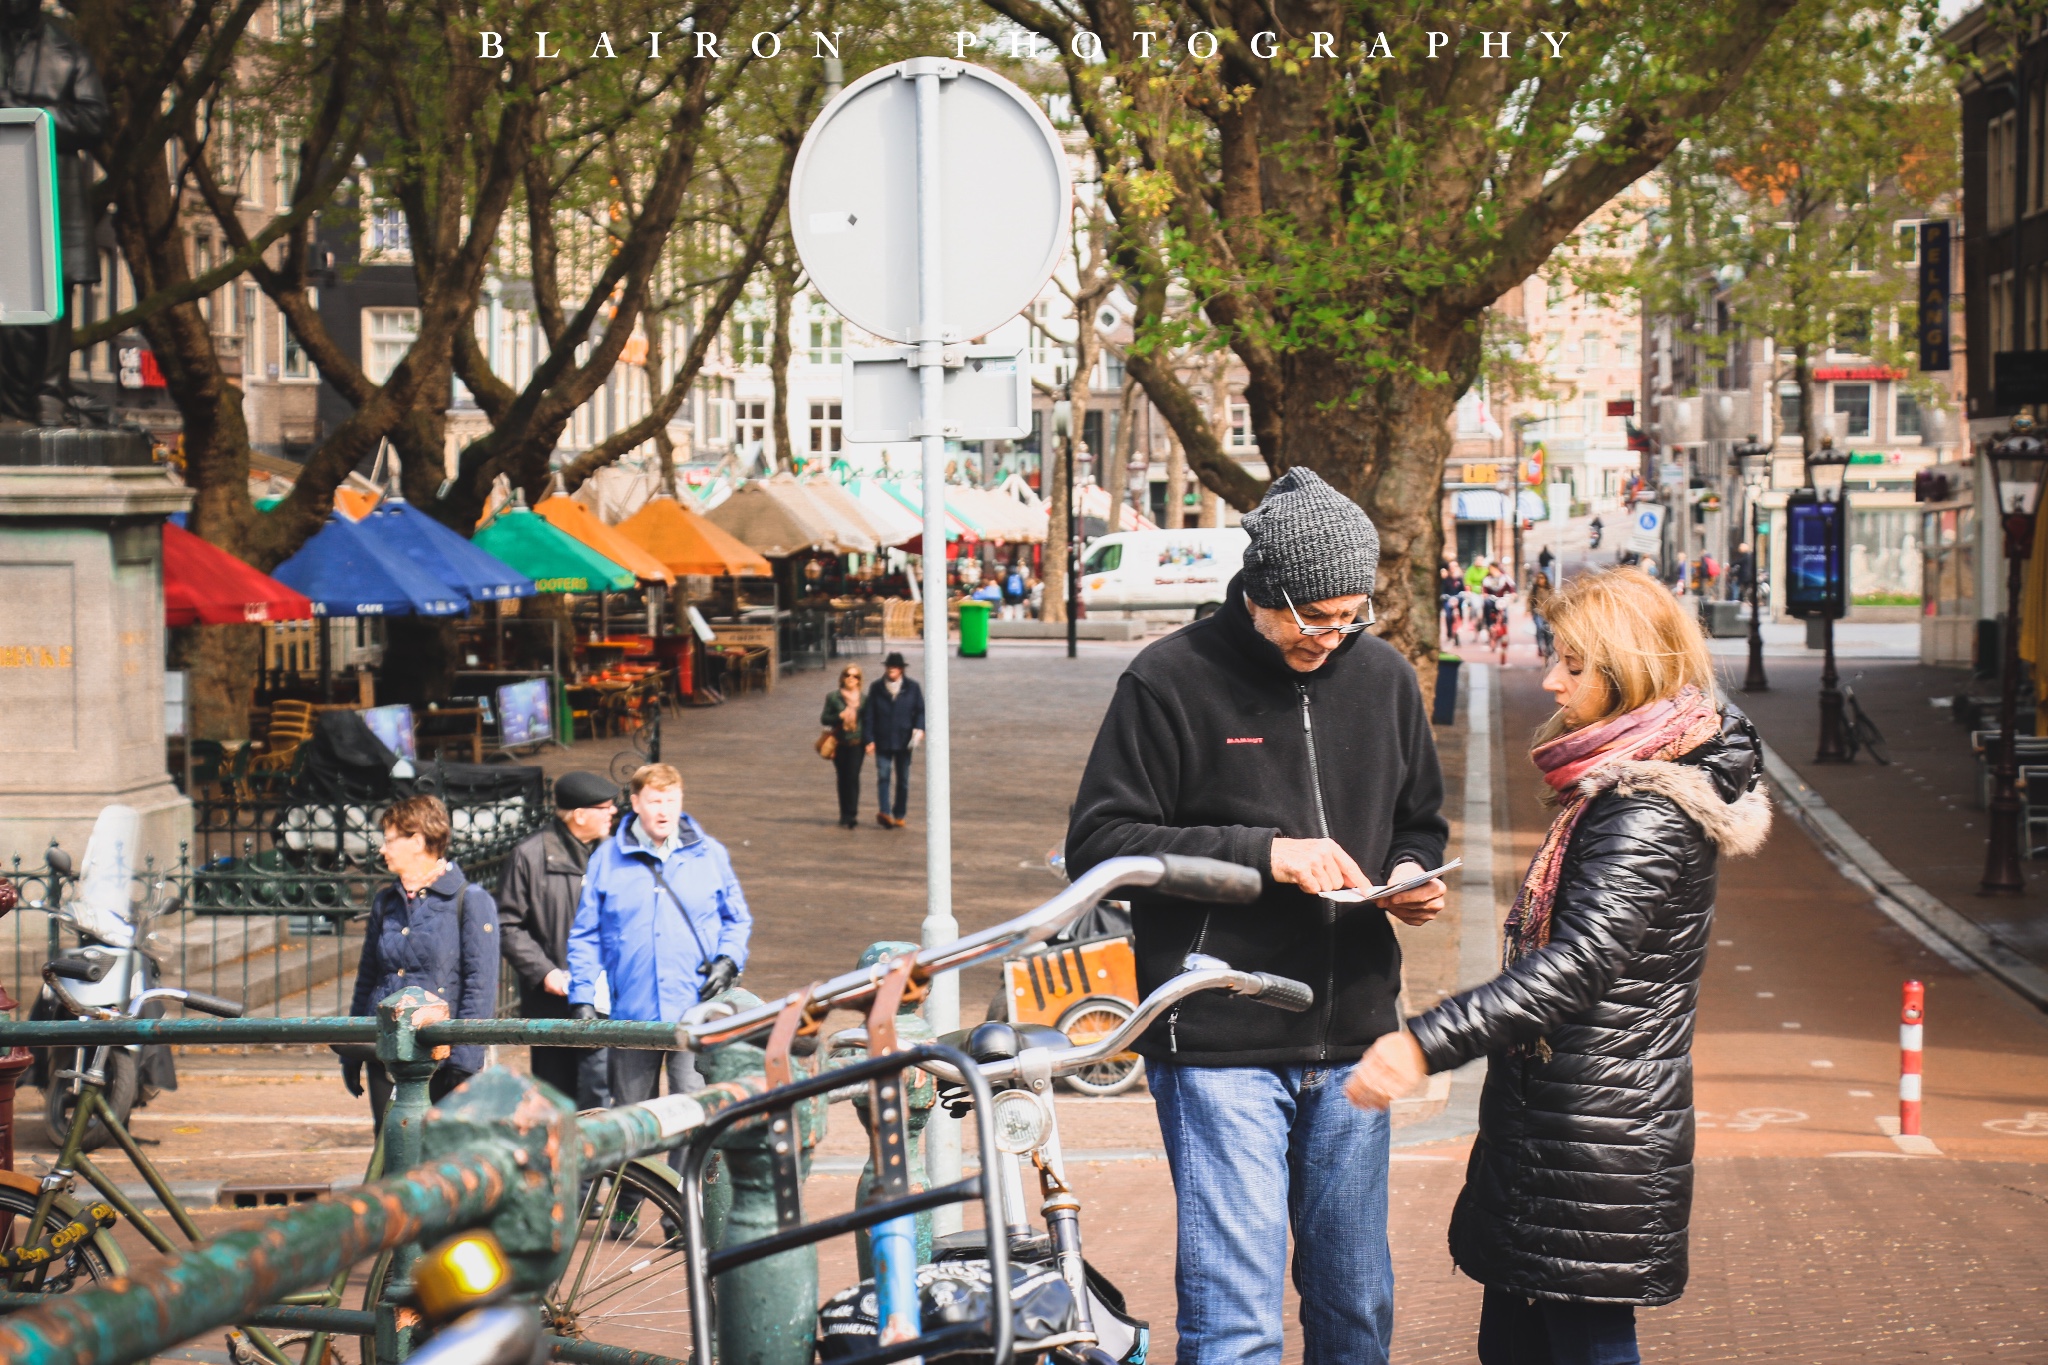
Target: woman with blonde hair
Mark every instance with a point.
(1579, 1186)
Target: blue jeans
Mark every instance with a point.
(1255, 1149)
(899, 759)
(1517, 1330)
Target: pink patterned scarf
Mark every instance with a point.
(1662, 730)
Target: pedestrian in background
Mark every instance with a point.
(1274, 734)
(895, 726)
(1579, 1187)
(537, 900)
(1016, 593)
(429, 927)
(663, 922)
(845, 728)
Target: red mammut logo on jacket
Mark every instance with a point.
(1248, 739)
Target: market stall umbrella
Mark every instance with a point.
(851, 535)
(348, 572)
(443, 552)
(204, 585)
(689, 542)
(573, 518)
(777, 518)
(912, 499)
(890, 518)
(554, 560)
(829, 495)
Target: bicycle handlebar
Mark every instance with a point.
(196, 1000)
(1205, 974)
(1194, 878)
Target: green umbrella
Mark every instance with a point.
(554, 560)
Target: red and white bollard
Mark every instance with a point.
(1912, 1010)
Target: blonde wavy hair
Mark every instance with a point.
(1630, 630)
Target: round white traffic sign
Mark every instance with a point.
(1004, 191)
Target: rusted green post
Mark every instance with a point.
(921, 1093)
(410, 1064)
(768, 1310)
(535, 1221)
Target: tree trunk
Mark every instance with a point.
(221, 664)
(421, 654)
(1117, 480)
(1176, 482)
(782, 272)
(1058, 522)
(664, 448)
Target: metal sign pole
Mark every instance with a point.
(942, 1009)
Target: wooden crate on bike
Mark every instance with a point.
(1084, 990)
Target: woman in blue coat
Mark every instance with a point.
(433, 928)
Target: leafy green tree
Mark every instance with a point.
(1786, 201)
(1344, 188)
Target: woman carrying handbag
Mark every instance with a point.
(844, 742)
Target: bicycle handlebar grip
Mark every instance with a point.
(213, 1004)
(1208, 879)
(1284, 993)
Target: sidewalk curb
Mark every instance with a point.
(1896, 894)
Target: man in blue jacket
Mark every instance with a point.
(895, 723)
(663, 918)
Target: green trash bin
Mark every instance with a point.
(974, 630)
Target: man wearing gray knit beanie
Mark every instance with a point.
(1275, 734)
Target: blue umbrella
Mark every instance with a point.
(349, 572)
(444, 554)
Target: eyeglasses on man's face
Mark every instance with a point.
(1311, 632)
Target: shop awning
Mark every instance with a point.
(831, 495)
(348, 572)
(1479, 504)
(778, 518)
(443, 553)
(911, 496)
(204, 585)
(688, 542)
(554, 560)
(573, 518)
(1531, 505)
(1094, 500)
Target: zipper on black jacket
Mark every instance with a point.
(1173, 1019)
(1315, 778)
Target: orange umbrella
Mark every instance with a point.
(688, 543)
(572, 517)
(356, 503)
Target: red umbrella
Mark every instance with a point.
(207, 586)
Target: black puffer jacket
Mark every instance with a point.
(1580, 1181)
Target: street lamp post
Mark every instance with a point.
(2017, 449)
(1755, 681)
(1834, 721)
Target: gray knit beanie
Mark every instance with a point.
(1308, 541)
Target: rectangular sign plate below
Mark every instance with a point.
(987, 395)
(31, 265)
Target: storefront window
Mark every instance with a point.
(1949, 576)
(1884, 557)
(1853, 400)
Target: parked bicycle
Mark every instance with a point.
(1863, 732)
(644, 748)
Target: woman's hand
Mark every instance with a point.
(1390, 1068)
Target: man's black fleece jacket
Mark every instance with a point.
(1214, 747)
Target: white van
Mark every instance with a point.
(1162, 570)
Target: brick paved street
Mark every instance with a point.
(1815, 1238)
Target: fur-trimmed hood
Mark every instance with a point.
(1737, 828)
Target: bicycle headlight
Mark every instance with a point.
(460, 1274)
(1020, 1121)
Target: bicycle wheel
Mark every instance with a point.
(1866, 733)
(1084, 1023)
(627, 1282)
(81, 1266)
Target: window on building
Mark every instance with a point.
(291, 17)
(1559, 295)
(1907, 422)
(296, 366)
(1589, 350)
(1241, 437)
(1592, 411)
(389, 233)
(1853, 400)
(1112, 369)
(750, 424)
(2001, 312)
(828, 340)
(2035, 160)
(1909, 245)
(387, 335)
(1624, 350)
(2000, 136)
(826, 428)
(750, 341)
(1790, 417)
(1852, 330)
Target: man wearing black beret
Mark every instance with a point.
(536, 907)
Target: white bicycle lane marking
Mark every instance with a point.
(1750, 1120)
(2035, 1124)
